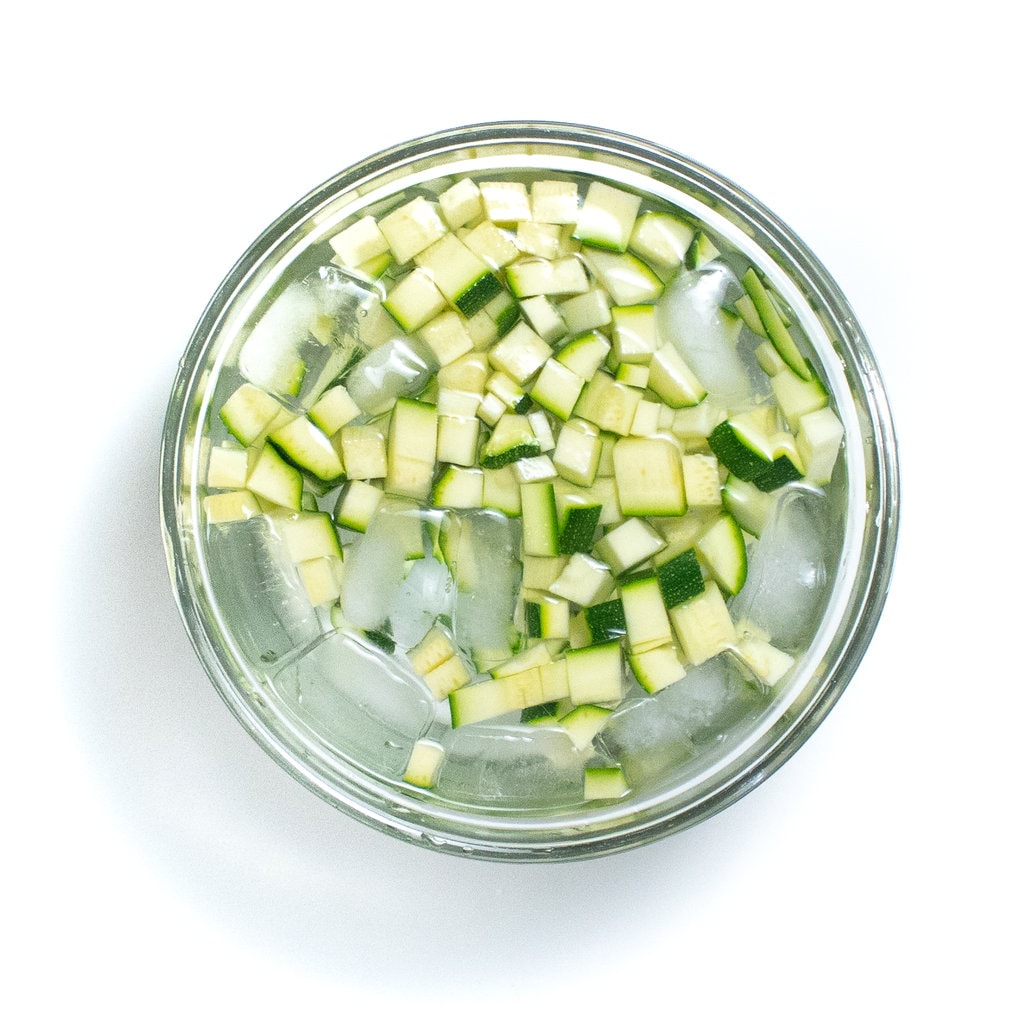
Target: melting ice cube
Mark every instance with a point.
(652, 735)
(357, 700)
(256, 584)
(487, 572)
(787, 577)
(511, 764)
(691, 317)
(375, 567)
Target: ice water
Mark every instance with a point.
(343, 677)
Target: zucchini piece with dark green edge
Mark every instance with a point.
(461, 276)
(578, 528)
(540, 519)
(606, 621)
(680, 578)
(766, 461)
(511, 440)
(774, 326)
(723, 550)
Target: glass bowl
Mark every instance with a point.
(320, 657)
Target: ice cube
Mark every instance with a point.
(258, 589)
(510, 765)
(691, 317)
(307, 335)
(786, 577)
(426, 592)
(374, 566)
(652, 736)
(487, 572)
(356, 700)
(399, 367)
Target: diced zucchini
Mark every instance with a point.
(308, 535)
(538, 238)
(459, 487)
(536, 276)
(520, 354)
(586, 311)
(647, 623)
(412, 227)
(557, 388)
(495, 246)
(584, 581)
(604, 782)
(364, 451)
(635, 336)
(608, 404)
(702, 250)
(229, 466)
(461, 276)
(577, 452)
(768, 664)
(554, 202)
(276, 480)
(231, 506)
(702, 481)
(501, 491)
(435, 648)
(723, 550)
(414, 300)
(511, 439)
(607, 217)
(424, 764)
(657, 667)
(586, 354)
(749, 449)
(356, 505)
(540, 521)
(491, 698)
(505, 202)
(461, 203)
(321, 579)
(605, 621)
(646, 418)
(334, 409)
(628, 544)
(797, 396)
(305, 445)
(672, 380)
(661, 239)
(595, 674)
(583, 723)
(549, 617)
(774, 326)
(360, 242)
(535, 467)
(702, 625)
(578, 529)
(626, 279)
(447, 336)
(680, 578)
(411, 449)
(649, 477)
(543, 316)
(818, 442)
(250, 413)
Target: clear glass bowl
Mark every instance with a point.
(243, 632)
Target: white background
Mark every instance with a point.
(157, 866)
